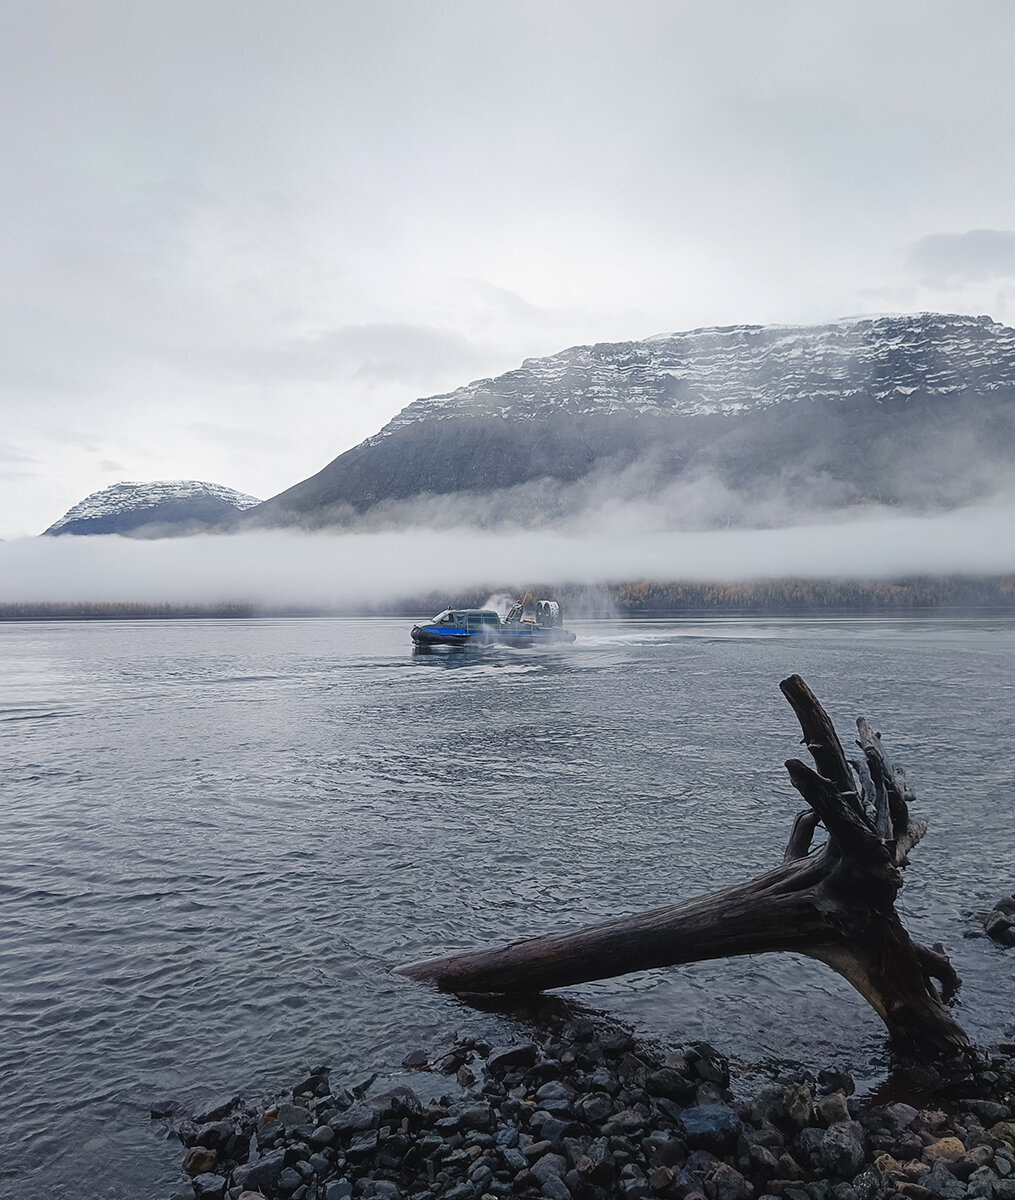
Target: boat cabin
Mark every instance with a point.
(468, 618)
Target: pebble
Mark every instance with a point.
(588, 1114)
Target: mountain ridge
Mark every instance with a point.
(162, 506)
(870, 409)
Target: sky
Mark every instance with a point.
(238, 236)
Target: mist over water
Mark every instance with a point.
(285, 568)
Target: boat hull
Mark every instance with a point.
(428, 635)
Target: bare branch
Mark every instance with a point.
(799, 845)
(838, 812)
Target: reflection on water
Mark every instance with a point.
(218, 837)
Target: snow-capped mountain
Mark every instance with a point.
(918, 408)
(741, 368)
(160, 508)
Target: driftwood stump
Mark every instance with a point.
(836, 904)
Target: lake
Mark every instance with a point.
(217, 837)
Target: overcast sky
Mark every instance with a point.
(237, 236)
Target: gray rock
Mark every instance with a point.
(941, 1182)
(709, 1065)
(355, 1120)
(554, 1188)
(209, 1187)
(713, 1127)
(316, 1085)
(504, 1058)
(215, 1134)
(669, 1083)
(900, 1116)
(729, 1184)
(555, 1130)
(981, 1184)
(476, 1116)
(338, 1189)
(624, 1123)
(832, 1108)
(595, 1108)
(261, 1175)
(362, 1146)
(289, 1180)
(461, 1191)
(291, 1116)
(514, 1158)
(322, 1136)
(837, 1150)
(1000, 927)
(218, 1109)
(989, 1111)
(547, 1165)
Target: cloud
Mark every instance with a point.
(14, 454)
(945, 259)
(325, 570)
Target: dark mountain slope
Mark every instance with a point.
(910, 409)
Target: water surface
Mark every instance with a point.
(217, 836)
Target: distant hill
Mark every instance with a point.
(163, 508)
(733, 424)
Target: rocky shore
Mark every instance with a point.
(587, 1113)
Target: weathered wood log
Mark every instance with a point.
(835, 904)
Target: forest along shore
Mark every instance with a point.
(588, 1113)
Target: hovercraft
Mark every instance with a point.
(525, 625)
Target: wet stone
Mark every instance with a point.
(218, 1110)
(396, 1103)
(714, 1127)
(314, 1085)
(261, 1175)
(504, 1058)
(209, 1187)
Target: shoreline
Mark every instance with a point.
(583, 1111)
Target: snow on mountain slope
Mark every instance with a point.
(130, 504)
(739, 368)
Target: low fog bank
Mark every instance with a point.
(283, 569)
